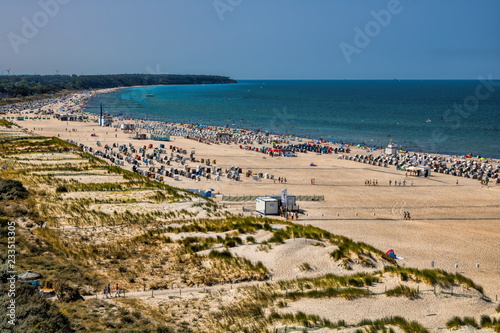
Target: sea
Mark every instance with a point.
(455, 117)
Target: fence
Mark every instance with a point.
(243, 198)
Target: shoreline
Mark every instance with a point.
(84, 96)
(363, 143)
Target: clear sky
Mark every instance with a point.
(254, 39)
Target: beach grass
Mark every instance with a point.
(402, 290)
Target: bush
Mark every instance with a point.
(67, 293)
(61, 189)
(12, 190)
(250, 239)
(220, 254)
(34, 313)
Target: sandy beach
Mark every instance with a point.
(454, 226)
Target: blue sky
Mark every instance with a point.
(254, 39)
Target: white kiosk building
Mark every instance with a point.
(391, 148)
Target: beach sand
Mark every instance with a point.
(454, 227)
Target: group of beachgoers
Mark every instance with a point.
(400, 182)
(207, 134)
(68, 103)
(107, 291)
(422, 164)
(415, 164)
(406, 215)
(157, 163)
(282, 146)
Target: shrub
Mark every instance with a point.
(305, 267)
(454, 323)
(12, 190)
(66, 293)
(220, 254)
(34, 313)
(61, 189)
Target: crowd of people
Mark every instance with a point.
(157, 163)
(420, 164)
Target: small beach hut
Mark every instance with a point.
(391, 148)
(425, 171)
(267, 206)
(30, 277)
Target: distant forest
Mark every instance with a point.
(20, 86)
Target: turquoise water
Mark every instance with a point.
(417, 115)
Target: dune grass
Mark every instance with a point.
(6, 123)
(402, 290)
(433, 277)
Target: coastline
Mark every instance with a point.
(417, 138)
(76, 102)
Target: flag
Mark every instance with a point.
(283, 198)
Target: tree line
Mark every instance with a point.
(29, 85)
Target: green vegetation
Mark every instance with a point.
(29, 85)
(33, 312)
(347, 293)
(331, 281)
(6, 123)
(12, 190)
(488, 322)
(35, 144)
(433, 277)
(457, 322)
(401, 290)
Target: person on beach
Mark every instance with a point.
(108, 288)
(117, 291)
(105, 292)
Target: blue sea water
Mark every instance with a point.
(449, 117)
